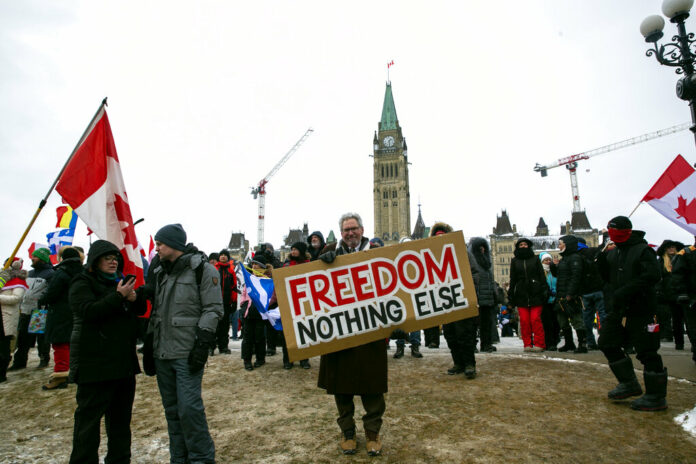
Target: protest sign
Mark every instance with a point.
(364, 296)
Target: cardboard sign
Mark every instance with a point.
(364, 296)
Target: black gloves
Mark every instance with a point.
(398, 334)
(149, 355)
(199, 354)
(328, 257)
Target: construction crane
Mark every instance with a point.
(571, 162)
(260, 190)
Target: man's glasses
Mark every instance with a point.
(351, 229)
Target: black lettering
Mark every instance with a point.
(304, 330)
(325, 322)
(435, 307)
(364, 317)
(351, 320)
(421, 306)
(397, 314)
(444, 294)
(376, 313)
(337, 322)
(456, 293)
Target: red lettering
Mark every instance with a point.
(296, 295)
(319, 294)
(359, 282)
(420, 272)
(340, 286)
(377, 267)
(448, 265)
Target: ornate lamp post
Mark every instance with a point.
(679, 52)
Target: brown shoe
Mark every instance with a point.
(56, 380)
(348, 443)
(374, 444)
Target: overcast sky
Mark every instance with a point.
(206, 97)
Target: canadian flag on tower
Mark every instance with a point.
(674, 194)
(93, 186)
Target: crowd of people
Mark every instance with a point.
(94, 320)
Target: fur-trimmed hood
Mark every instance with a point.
(440, 227)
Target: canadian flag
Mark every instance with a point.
(674, 194)
(153, 251)
(93, 186)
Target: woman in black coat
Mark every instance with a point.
(528, 291)
(103, 361)
(59, 317)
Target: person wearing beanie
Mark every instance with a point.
(569, 292)
(38, 279)
(592, 292)
(253, 328)
(528, 291)
(298, 255)
(228, 285)
(631, 271)
(187, 306)
(10, 297)
(213, 258)
(549, 319)
(376, 242)
(59, 320)
(103, 359)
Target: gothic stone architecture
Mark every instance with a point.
(392, 200)
(505, 235)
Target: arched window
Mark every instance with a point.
(382, 170)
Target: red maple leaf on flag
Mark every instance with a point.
(686, 211)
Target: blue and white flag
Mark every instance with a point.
(260, 290)
(60, 238)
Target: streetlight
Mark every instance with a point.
(677, 54)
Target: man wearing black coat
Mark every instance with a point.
(684, 286)
(484, 282)
(632, 271)
(592, 294)
(569, 293)
(103, 360)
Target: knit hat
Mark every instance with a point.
(377, 242)
(301, 247)
(44, 254)
(70, 253)
(224, 252)
(545, 255)
(260, 259)
(172, 235)
(214, 256)
(621, 223)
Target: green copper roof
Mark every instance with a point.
(388, 110)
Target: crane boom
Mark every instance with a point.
(571, 162)
(260, 190)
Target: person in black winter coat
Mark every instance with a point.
(315, 244)
(569, 294)
(528, 291)
(632, 271)
(683, 283)
(103, 360)
(670, 314)
(484, 282)
(592, 294)
(59, 320)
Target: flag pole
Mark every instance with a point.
(634, 209)
(42, 203)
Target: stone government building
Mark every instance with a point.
(504, 236)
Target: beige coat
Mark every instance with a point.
(9, 301)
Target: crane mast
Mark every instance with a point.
(571, 162)
(260, 190)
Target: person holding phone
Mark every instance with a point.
(103, 359)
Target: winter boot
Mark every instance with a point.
(247, 365)
(374, 444)
(655, 392)
(304, 364)
(399, 352)
(43, 363)
(415, 352)
(470, 371)
(56, 380)
(628, 383)
(454, 370)
(569, 344)
(348, 443)
(582, 342)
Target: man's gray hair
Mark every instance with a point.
(347, 216)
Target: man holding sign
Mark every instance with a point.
(361, 370)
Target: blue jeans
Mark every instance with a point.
(234, 318)
(189, 438)
(594, 303)
(414, 339)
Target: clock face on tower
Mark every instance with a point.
(388, 141)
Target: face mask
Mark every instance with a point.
(619, 235)
(547, 267)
